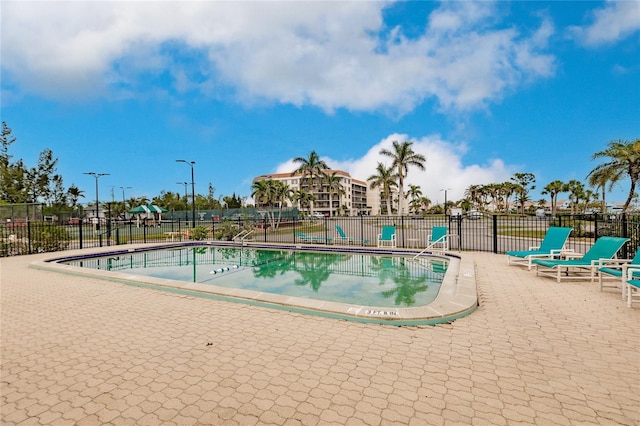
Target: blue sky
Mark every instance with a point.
(483, 89)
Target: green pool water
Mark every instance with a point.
(350, 278)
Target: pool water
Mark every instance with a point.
(379, 280)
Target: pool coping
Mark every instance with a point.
(457, 297)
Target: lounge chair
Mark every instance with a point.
(551, 246)
(342, 237)
(632, 286)
(617, 269)
(438, 239)
(387, 238)
(311, 239)
(603, 248)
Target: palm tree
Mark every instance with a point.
(385, 179)
(414, 193)
(74, 193)
(313, 168)
(261, 191)
(473, 194)
(419, 203)
(403, 157)
(576, 192)
(623, 160)
(524, 183)
(553, 189)
(281, 193)
(599, 180)
(508, 188)
(303, 199)
(334, 186)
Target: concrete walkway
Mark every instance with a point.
(80, 351)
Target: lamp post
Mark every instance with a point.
(97, 176)
(124, 203)
(186, 198)
(445, 200)
(193, 191)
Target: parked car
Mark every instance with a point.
(474, 214)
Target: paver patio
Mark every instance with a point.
(81, 351)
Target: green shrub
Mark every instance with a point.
(226, 231)
(199, 233)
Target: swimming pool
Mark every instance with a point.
(382, 286)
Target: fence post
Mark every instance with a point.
(28, 233)
(326, 230)
(295, 222)
(459, 220)
(495, 233)
(625, 234)
(402, 228)
(80, 222)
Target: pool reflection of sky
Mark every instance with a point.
(351, 278)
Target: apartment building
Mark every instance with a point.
(352, 202)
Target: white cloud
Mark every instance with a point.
(444, 169)
(327, 54)
(615, 21)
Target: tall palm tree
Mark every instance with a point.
(313, 168)
(385, 179)
(623, 160)
(553, 189)
(403, 156)
(334, 186)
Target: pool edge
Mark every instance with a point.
(457, 298)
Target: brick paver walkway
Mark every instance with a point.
(87, 352)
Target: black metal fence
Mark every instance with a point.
(492, 233)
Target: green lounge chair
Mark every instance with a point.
(438, 239)
(342, 237)
(632, 286)
(603, 248)
(311, 239)
(387, 237)
(551, 246)
(617, 269)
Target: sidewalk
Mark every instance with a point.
(83, 351)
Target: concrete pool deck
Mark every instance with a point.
(79, 350)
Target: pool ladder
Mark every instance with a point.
(243, 235)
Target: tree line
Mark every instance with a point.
(621, 161)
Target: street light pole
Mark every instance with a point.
(193, 191)
(445, 200)
(124, 203)
(186, 197)
(97, 176)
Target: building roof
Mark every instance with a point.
(299, 175)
